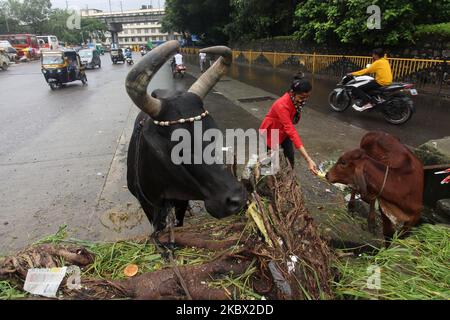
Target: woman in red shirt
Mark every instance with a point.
(283, 115)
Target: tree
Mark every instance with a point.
(346, 21)
(90, 28)
(204, 18)
(9, 22)
(255, 19)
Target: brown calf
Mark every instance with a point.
(386, 170)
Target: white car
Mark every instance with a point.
(10, 51)
(4, 60)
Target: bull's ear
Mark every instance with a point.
(360, 179)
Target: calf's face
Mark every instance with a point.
(349, 170)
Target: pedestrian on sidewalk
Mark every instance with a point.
(202, 57)
(212, 59)
(283, 115)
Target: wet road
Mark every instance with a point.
(63, 153)
(55, 147)
(431, 121)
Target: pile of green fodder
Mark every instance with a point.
(413, 268)
(111, 259)
(278, 253)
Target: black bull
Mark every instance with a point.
(153, 178)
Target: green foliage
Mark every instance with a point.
(439, 31)
(255, 19)
(345, 22)
(205, 18)
(10, 291)
(24, 16)
(35, 14)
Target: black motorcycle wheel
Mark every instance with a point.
(84, 79)
(53, 86)
(398, 110)
(339, 102)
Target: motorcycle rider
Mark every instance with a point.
(383, 77)
(128, 53)
(283, 115)
(177, 60)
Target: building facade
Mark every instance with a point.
(136, 34)
(141, 33)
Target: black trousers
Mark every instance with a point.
(361, 91)
(288, 151)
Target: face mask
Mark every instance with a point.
(298, 108)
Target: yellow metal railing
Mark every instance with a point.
(320, 63)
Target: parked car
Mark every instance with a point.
(90, 58)
(4, 60)
(10, 51)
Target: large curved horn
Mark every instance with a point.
(142, 73)
(209, 79)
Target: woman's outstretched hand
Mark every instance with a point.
(313, 167)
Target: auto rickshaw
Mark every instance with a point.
(60, 67)
(117, 55)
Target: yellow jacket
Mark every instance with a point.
(382, 70)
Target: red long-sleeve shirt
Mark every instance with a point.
(280, 117)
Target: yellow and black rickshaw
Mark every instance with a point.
(60, 67)
(117, 55)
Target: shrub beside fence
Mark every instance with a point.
(431, 76)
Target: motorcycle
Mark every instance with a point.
(129, 58)
(392, 101)
(447, 179)
(179, 70)
(143, 52)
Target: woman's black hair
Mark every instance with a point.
(300, 84)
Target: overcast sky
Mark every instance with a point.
(104, 4)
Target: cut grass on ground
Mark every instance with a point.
(112, 258)
(415, 268)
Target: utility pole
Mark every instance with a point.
(121, 7)
(67, 5)
(110, 10)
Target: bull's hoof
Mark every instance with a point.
(351, 206)
(169, 246)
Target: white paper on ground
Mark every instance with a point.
(44, 282)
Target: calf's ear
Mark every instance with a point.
(360, 179)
